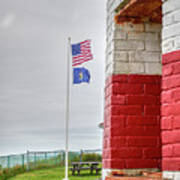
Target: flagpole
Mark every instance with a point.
(67, 109)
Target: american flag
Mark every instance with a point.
(81, 52)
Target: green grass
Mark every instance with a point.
(53, 174)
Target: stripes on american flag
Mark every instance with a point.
(81, 52)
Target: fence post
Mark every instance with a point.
(45, 154)
(55, 158)
(27, 157)
(46, 157)
(63, 157)
(22, 160)
(81, 155)
(62, 160)
(8, 161)
(35, 159)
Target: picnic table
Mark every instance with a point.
(78, 166)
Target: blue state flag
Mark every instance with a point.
(81, 75)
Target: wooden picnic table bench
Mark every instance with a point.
(78, 166)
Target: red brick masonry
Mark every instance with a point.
(171, 112)
(132, 122)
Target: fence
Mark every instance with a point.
(33, 159)
(43, 159)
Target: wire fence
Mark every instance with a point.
(34, 159)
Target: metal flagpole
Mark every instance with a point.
(67, 109)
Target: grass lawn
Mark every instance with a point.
(53, 174)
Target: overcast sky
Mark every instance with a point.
(33, 57)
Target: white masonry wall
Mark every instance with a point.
(132, 48)
(135, 49)
(110, 27)
(171, 26)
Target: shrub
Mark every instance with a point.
(1, 175)
(75, 159)
(18, 169)
(10, 172)
(92, 157)
(87, 157)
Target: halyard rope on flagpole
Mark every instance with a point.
(67, 109)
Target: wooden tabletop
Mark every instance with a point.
(85, 163)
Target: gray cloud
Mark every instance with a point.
(7, 20)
